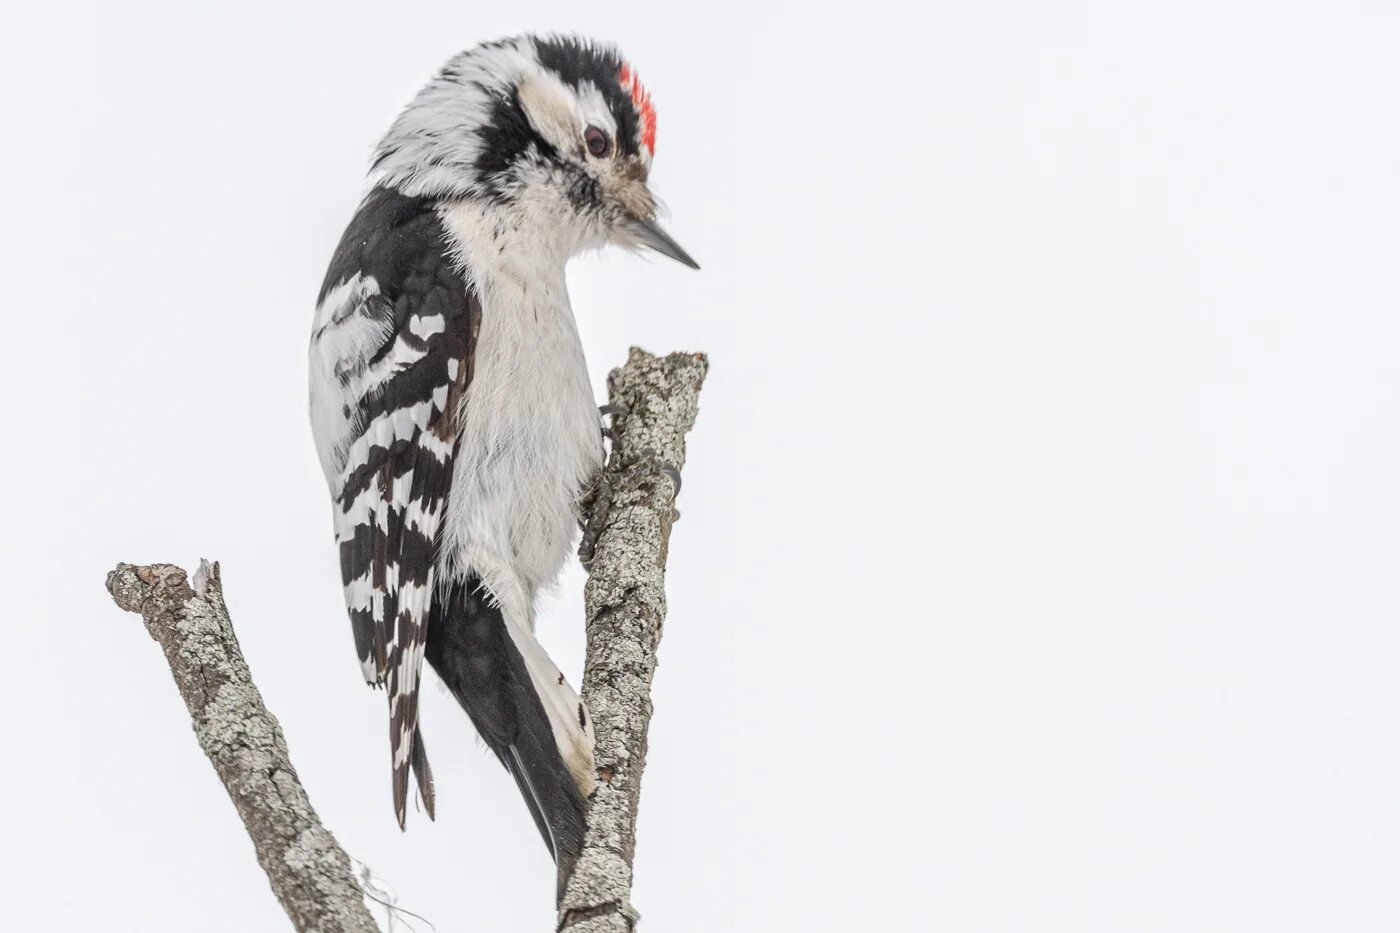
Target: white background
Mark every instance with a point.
(1038, 568)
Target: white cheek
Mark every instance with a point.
(593, 109)
(549, 106)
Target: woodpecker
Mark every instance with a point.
(450, 400)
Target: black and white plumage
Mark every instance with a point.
(450, 400)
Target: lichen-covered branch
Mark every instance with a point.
(630, 521)
(625, 603)
(309, 872)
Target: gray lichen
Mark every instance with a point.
(309, 873)
(625, 604)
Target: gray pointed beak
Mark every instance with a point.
(649, 233)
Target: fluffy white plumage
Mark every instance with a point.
(450, 399)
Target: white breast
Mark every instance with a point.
(530, 430)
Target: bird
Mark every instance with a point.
(450, 400)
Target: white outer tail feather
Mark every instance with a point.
(568, 719)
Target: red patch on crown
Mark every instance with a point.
(641, 100)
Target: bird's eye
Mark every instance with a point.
(596, 141)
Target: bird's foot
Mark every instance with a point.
(650, 461)
(616, 411)
(593, 515)
(675, 476)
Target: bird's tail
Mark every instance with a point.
(523, 708)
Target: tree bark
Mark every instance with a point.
(308, 871)
(630, 516)
(625, 549)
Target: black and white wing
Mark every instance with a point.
(391, 356)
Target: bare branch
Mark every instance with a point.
(654, 403)
(625, 603)
(307, 869)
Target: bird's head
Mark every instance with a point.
(558, 132)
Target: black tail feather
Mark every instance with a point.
(469, 647)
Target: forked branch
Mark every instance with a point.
(633, 509)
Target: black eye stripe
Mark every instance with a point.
(597, 142)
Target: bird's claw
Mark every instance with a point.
(671, 472)
(650, 460)
(616, 411)
(675, 475)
